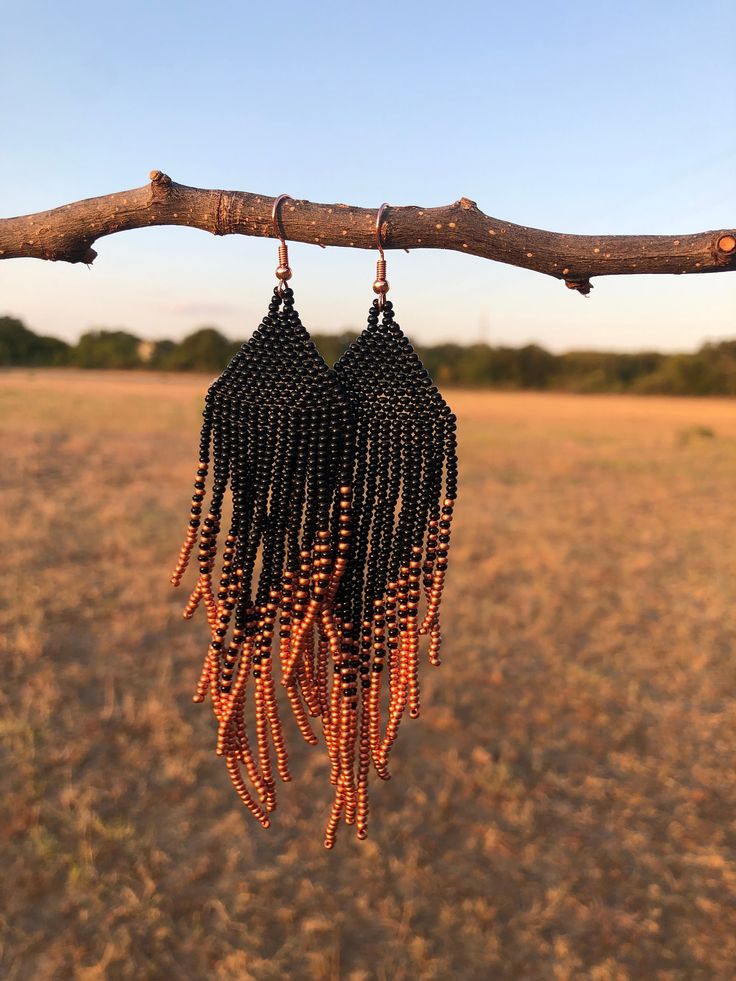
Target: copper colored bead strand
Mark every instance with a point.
(300, 614)
(200, 479)
(393, 643)
(262, 727)
(272, 711)
(397, 670)
(323, 651)
(211, 525)
(348, 722)
(428, 574)
(334, 818)
(364, 764)
(237, 704)
(414, 594)
(435, 641)
(285, 642)
(232, 699)
(242, 792)
(200, 483)
(434, 583)
(336, 717)
(191, 535)
(292, 679)
(374, 697)
(300, 715)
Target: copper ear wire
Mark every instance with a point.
(283, 270)
(381, 285)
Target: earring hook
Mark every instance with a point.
(379, 236)
(381, 285)
(283, 270)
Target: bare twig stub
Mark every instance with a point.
(68, 233)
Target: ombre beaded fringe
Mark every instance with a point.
(404, 489)
(278, 433)
(342, 486)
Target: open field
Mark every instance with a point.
(565, 807)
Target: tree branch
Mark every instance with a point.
(67, 233)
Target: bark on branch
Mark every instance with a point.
(67, 233)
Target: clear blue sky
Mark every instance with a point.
(579, 117)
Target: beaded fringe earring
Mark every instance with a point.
(278, 430)
(341, 572)
(404, 490)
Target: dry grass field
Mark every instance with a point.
(565, 807)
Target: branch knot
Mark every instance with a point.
(161, 184)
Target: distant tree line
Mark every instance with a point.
(709, 371)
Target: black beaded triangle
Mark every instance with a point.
(279, 431)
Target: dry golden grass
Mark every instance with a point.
(564, 808)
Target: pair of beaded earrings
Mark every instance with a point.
(341, 484)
